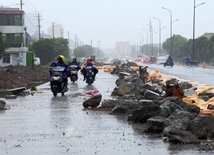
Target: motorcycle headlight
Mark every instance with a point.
(90, 71)
(74, 72)
(56, 77)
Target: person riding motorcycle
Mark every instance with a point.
(61, 62)
(170, 59)
(188, 59)
(89, 62)
(74, 62)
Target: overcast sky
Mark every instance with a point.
(109, 21)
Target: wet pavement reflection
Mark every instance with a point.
(44, 124)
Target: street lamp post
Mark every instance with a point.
(151, 35)
(139, 43)
(136, 47)
(141, 38)
(193, 38)
(170, 28)
(159, 36)
(146, 39)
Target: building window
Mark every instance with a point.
(13, 20)
(6, 58)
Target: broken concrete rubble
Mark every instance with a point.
(175, 118)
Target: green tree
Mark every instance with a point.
(48, 49)
(185, 49)
(178, 43)
(84, 51)
(201, 51)
(61, 46)
(98, 53)
(18, 40)
(2, 45)
(210, 57)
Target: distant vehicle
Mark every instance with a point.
(138, 58)
(169, 62)
(152, 59)
(37, 61)
(162, 59)
(145, 59)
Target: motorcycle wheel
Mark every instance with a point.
(73, 79)
(55, 91)
(55, 94)
(90, 81)
(63, 93)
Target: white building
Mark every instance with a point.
(12, 26)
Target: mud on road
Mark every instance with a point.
(43, 124)
(22, 76)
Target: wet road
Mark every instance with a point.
(197, 74)
(43, 124)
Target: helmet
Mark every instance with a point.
(89, 60)
(61, 57)
(74, 59)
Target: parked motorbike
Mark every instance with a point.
(73, 71)
(89, 75)
(56, 81)
(168, 63)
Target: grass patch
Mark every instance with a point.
(33, 88)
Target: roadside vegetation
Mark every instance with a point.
(47, 49)
(203, 51)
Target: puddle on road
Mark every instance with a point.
(43, 124)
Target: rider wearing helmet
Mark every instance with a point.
(89, 62)
(61, 62)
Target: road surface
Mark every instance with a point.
(43, 124)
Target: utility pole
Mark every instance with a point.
(151, 35)
(53, 29)
(193, 38)
(69, 42)
(25, 36)
(159, 53)
(75, 40)
(68, 36)
(61, 33)
(21, 3)
(39, 26)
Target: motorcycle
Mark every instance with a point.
(89, 75)
(56, 81)
(73, 72)
(168, 63)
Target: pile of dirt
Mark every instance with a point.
(22, 76)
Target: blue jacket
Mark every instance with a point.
(62, 64)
